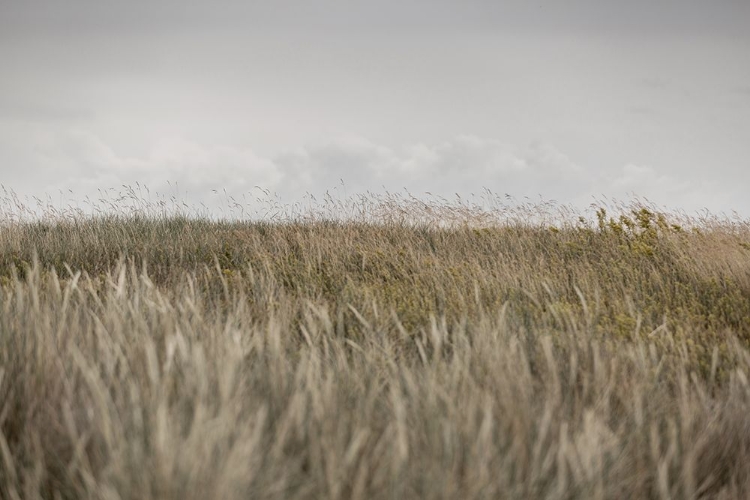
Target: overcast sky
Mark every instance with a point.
(569, 101)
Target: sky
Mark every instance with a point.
(572, 101)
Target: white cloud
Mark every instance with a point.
(80, 161)
(640, 176)
(466, 164)
(684, 192)
(87, 162)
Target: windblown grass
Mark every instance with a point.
(384, 348)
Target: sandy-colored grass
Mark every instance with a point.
(402, 350)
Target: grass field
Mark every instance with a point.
(400, 350)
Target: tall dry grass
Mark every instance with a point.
(387, 347)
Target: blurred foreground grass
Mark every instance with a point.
(429, 351)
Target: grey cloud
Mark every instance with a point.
(156, 87)
(641, 110)
(689, 17)
(20, 111)
(653, 83)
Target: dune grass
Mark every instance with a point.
(400, 350)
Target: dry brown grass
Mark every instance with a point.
(387, 348)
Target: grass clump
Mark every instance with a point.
(405, 350)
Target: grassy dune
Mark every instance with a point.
(426, 352)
